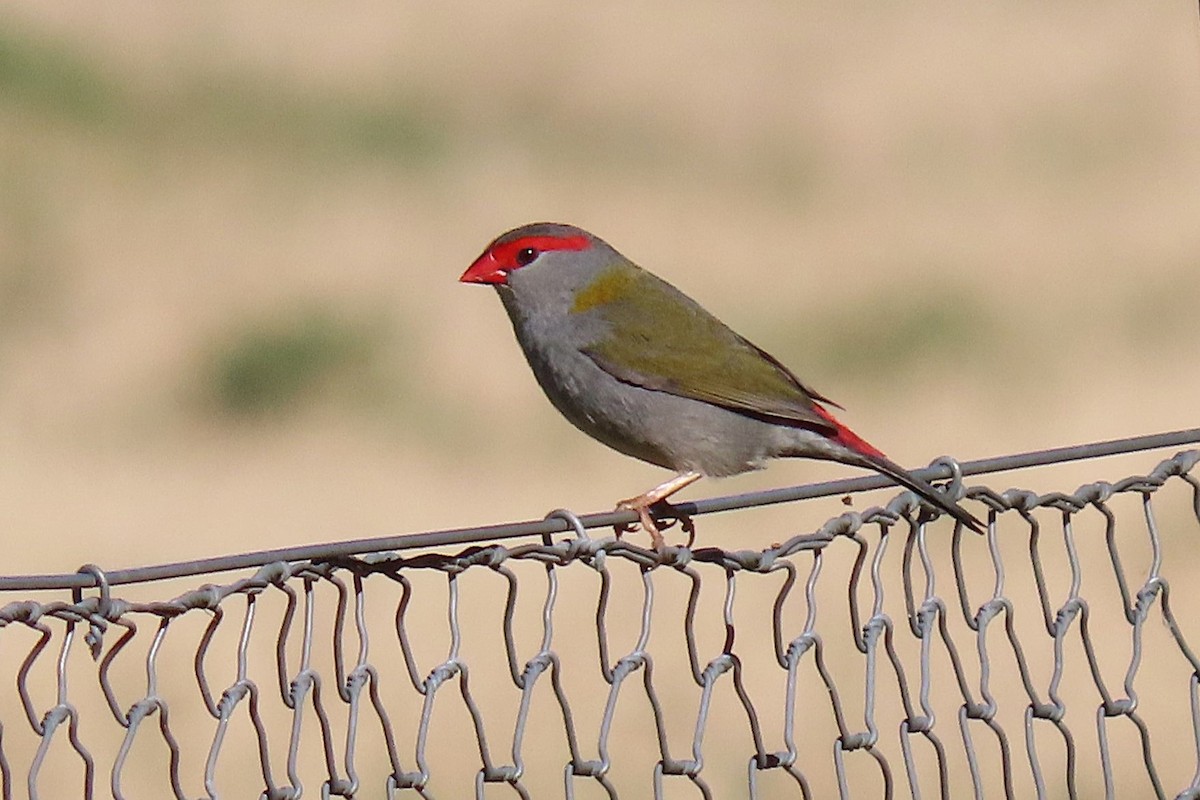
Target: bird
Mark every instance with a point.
(641, 367)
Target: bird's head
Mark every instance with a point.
(551, 271)
(542, 247)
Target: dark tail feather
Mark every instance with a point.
(856, 449)
(909, 481)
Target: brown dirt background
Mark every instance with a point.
(973, 226)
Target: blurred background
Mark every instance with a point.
(230, 237)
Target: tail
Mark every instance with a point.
(864, 455)
(906, 479)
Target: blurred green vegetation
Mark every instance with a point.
(890, 333)
(1090, 138)
(1162, 313)
(246, 112)
(234, 109)
(31, 261)
(786, 170)
(48, 78)
(278, 366)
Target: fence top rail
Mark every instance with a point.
(90, 576)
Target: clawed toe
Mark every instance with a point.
(645, 520)
(667, 516)
(656, 499)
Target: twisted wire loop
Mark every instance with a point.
(334, 678)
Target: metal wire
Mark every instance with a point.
(938, 471)
(921, 671)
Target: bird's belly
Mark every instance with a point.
(664, 429)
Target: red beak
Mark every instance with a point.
(485, 270)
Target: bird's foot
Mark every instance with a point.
(664, 516)
(656, 498)
(641, 505)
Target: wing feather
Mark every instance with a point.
(668, 343)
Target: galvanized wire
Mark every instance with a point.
(939, 470)
(945, 646)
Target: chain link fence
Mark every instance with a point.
(884, 654)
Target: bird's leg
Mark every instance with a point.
(642, 503)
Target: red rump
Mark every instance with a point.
(846, 437)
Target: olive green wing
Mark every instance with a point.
(661, 339)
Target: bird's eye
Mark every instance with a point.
(527, 255)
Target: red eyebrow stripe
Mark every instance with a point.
(506, 252)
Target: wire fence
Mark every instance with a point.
(883, 654)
